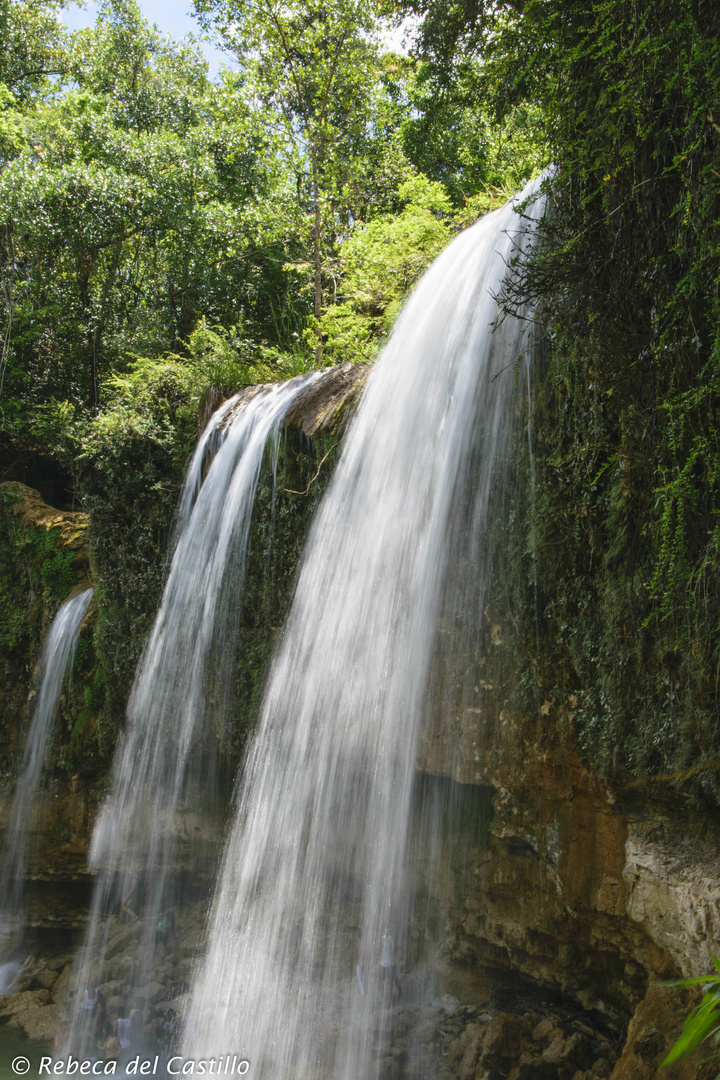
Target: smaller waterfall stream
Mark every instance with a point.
(162, 762)
(57, 658)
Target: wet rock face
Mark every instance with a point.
(157, 974)
(578, 891)
(567, 871)
(325, 406)
(468, 1044)
(528, 1045)
(522, 1039)
(428, 1042)
(545, 875)
(322, 409)
(60, 832)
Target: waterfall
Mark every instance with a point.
(312, 899)
(57, 658)
(162, 761)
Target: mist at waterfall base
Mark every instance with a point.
(57, 658)
(314, 900)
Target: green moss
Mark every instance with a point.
(33, 568)
(130, 476)
(285, 502)
(578, 575)
(36, 576)
(94, 691)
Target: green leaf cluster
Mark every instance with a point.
(380, 262)
(703, 1022)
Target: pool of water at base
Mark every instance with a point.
(13, 1046)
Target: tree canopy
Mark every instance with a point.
(140, 201)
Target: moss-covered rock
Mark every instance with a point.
(129, 476)
(43, 559)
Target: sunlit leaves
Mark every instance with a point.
(32, 45)
(381, 261)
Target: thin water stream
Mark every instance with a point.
(57, 658)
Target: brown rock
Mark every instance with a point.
(555, 1052)
(470, 1037)
(324, 405)
(47, 979)
(503, 1041)
(578, 1050)
(153, 992)
(13, 1004)
(653, 1029)
(322, 408)
(60, 989)
(122, 939)
(41, 1023)
(35, 513)
(544, 1030)
(469, 1061)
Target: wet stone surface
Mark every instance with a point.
(431, 1043)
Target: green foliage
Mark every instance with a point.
(154, 401)
(452, 135)
(139, 203)
(349, 333)
(32, 44)
(703, 1022)
(380, 262)
(131, 209)
(622, 541)
(314, 63)
(36, 576)
(226, 359)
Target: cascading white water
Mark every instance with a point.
(159, 762)
(312, 885)
(57, 657)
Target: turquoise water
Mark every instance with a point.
(13, 1044)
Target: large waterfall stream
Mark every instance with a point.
(311, 903)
